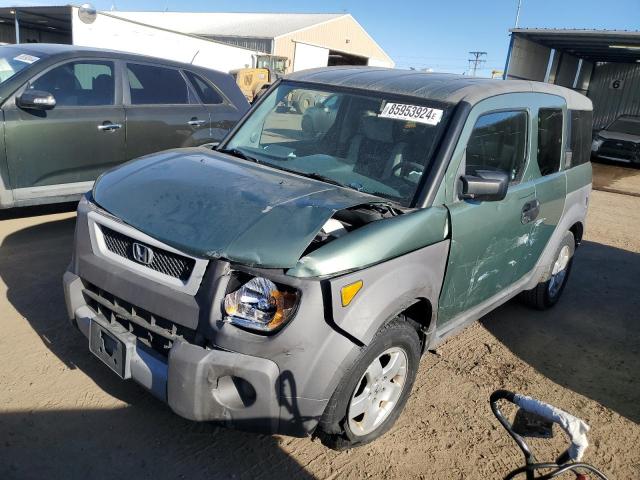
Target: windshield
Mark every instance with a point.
(12, 60)
(630, 126)
(370, 143)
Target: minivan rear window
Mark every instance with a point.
(208, 95)
(151, 85)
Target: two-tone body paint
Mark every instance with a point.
(491, 247)
(401, 261)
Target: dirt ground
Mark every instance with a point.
(63, 414)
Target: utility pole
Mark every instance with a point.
(518, 14)
(16, 24)
(476, 61)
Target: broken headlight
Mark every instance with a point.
(260, 304)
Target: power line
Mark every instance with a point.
(476, 61)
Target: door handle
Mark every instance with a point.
(109, 127)
(194, 122)
(530, 211)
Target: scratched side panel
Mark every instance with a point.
(488, 243)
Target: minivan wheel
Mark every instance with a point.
(373, 392)
(546, 294)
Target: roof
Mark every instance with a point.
(440, 87)
(50, 49)
(592, 45)
(257, 25)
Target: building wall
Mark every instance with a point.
(567, 70)
(614, 90)
(30, 35)
(333, 35)
(115, 33)
(259, 44)
(528, 60)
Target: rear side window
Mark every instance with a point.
(498, 142)
(79, 84)
(208, 95)
(549, 140)
(580, 142)
(151, 85)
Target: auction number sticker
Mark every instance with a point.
(412, 113)
(24, 58)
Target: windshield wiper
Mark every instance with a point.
(239, 154)
(314, 175)
(322, 178)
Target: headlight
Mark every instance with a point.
(596, 144)
(260, 305)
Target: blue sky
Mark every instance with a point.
(426, 33)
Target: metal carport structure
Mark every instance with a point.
(602, 64)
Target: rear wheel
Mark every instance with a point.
(546, 294)
(372, 394)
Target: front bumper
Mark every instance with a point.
(197, 383)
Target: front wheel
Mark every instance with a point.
(546, 294)
(372, 394)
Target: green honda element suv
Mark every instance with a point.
(290, 281)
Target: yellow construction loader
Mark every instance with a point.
(254, 81)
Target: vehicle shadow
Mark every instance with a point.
(144, 438)
(590, 341)
(37, 210)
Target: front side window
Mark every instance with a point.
(208, 95)
(79, 84)
(363, 141)
(549, 140)
(498, 142)
(151, 85)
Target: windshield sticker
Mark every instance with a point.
(23, 57)
(411, 113)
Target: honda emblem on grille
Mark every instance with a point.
(142, 253)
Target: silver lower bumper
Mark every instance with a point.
(197, 383)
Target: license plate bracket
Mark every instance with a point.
(110, 343)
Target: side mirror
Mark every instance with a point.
(485, 185)
(36, 100)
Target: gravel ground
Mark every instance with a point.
(65, 415)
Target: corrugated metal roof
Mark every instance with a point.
(593, 45)
(259, 25)
(442, 87)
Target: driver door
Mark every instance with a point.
(488, 238)
(82, 136)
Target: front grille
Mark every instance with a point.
(618, 149)
(152, 330)
(165, 262)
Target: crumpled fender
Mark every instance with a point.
(376, 242)
(388, 289)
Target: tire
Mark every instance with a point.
(546, 294)
(335, 429)
(303, 102)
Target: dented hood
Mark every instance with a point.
(212, 205)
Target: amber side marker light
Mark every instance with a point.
(348, 292)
